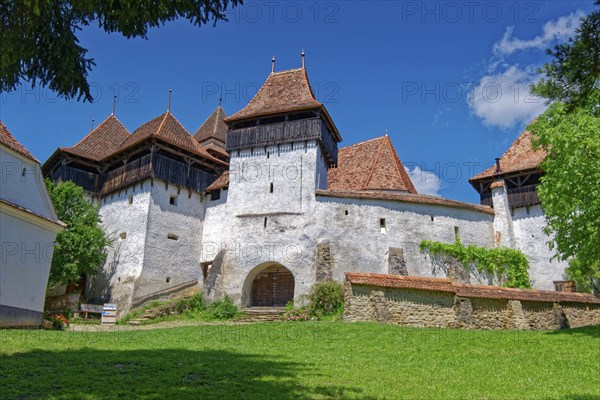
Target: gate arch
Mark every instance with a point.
(269, 285)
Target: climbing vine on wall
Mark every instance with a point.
(508, 264)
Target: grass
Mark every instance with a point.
(308, 360)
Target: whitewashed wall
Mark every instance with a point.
(117, 278)
(296, 222)
(170, 263)
(26, 240)
(528, 223)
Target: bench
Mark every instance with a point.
(91, 309)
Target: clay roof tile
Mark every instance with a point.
(7, 139)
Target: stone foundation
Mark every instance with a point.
(435, 302)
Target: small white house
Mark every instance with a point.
(28, 228)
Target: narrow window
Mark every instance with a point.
(168, 279)
(382, 226)
(265, 223)
(432, 218)
(129, 199)
(24, 172)
(172, 236)
(346, 212)
(173, 200)
(216, 195)
(456, 234)
(271, 187)
(123, 235)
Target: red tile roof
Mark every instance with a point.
(166, 127)
(283, 91)
(221, 182)
(370, 165)
(464, 290)
(102, 141)
(7, 139)
(520, 156)
(404, 198)
(211, 147)
(213, 127)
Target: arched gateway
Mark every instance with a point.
(272, 285)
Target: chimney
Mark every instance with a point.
(498, 169)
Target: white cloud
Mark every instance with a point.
(425, 182)
(561, 28)
(503, 99)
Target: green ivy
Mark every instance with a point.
(509, 264)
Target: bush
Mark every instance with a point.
(222, 309)
(195, 303)
(296, 314)
(326, 298)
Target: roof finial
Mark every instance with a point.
(273, 64)
(169, 101)
(302, 58)
(220, 101)
(386, 133)
(114, 103)
(93, 120)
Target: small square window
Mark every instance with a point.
(382, 226)
(123, 235)
(172, 236)
(173, 200)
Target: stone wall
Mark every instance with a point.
(434, 302)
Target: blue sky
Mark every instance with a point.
(448, 80)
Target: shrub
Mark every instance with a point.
(222, 309)
(194, 303)
(296, 314)
(326, 298)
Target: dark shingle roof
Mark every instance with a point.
(102, 141)
(213, 127)
(520, 156)
(7, 139)
(370, 165)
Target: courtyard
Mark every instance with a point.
(312, 360)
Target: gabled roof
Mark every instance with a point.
(370, 165)
(283, 91)
(213, 127)
(7, 139)
(520, 156)
(166, 127)
(102, 141)
(213, 148)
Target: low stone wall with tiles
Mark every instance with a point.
(437, 302)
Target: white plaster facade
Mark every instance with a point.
(28, 227)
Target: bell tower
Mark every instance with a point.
(281, 146)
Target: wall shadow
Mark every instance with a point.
(592, 331)
(159, 374)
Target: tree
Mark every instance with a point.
(569, 132)
(575, 69)
(80, 248)
(38, 39)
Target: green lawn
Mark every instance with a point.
(300, 360)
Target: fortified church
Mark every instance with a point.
(262, 204)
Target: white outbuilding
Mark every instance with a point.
(28, 228)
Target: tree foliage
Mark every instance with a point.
(574, 72)
(80, 248)
(510, 266)
(570, 188)
(39, 43)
